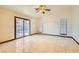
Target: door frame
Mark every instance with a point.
(23, 26)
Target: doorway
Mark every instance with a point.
(22, 27)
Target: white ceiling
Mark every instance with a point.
(29, 9)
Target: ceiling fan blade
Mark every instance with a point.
(47, 9)
(36, 8)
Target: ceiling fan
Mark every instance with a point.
(42, 9)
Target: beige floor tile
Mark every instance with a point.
(41, 43)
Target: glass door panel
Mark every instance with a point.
(19, 27)
(26, 27)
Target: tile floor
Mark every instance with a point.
(41, 44)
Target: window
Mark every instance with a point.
(21, 27)
(63, 26)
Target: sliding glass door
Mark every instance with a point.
(26, 28)
(21, 27)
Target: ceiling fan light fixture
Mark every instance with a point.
(42, 9)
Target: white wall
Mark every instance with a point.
(51, 21)
(7, 23)
(34, 25)
(75, 22)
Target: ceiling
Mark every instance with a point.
(29, 9)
